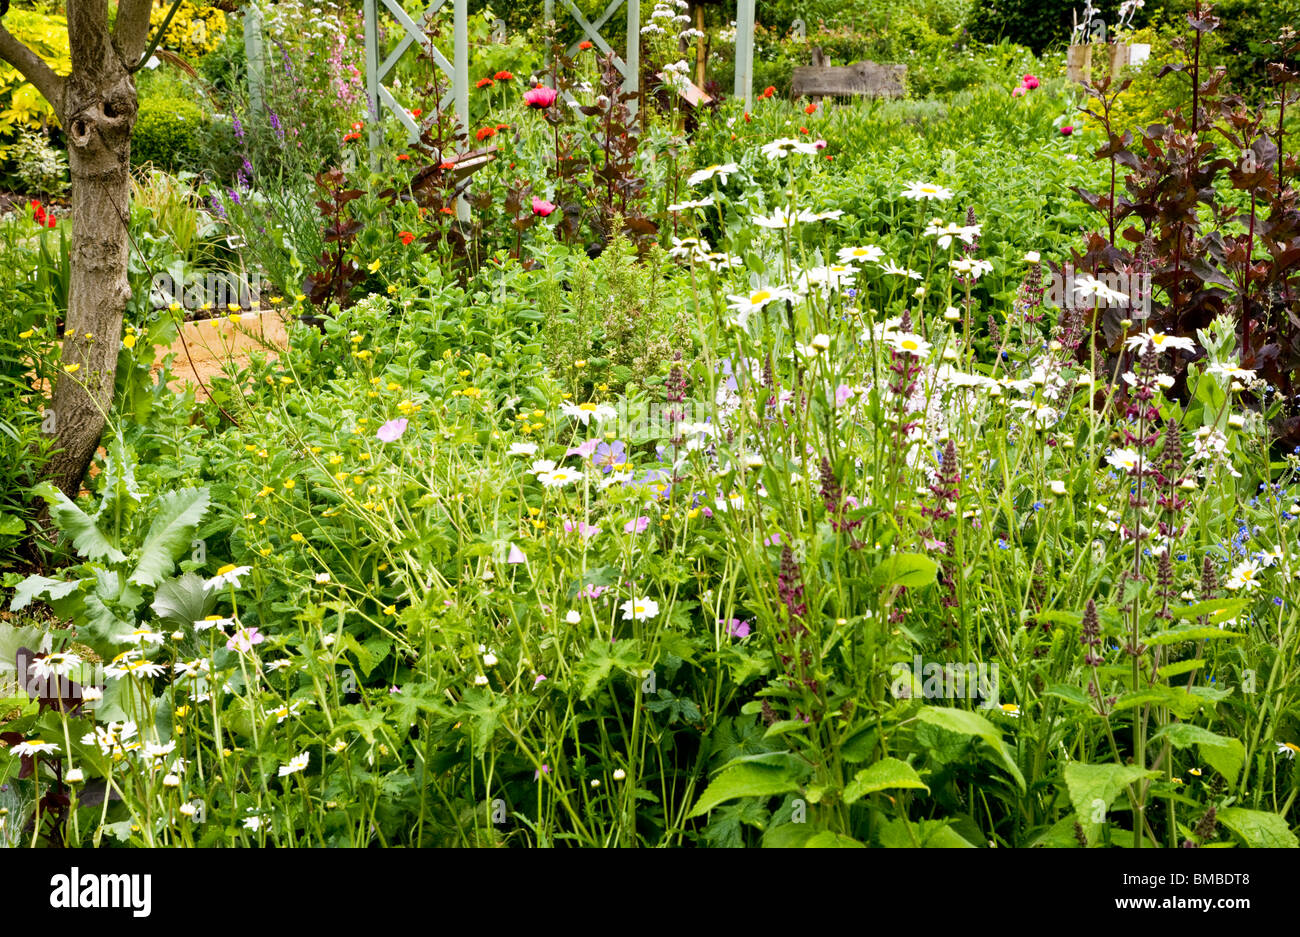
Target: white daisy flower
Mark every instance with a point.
(1158, 340)
(867, 253)
(639, 609)
(296, 763)
(926, 191)
(229, 574)
(719, 171)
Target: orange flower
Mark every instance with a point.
(504, 76)
(484, 83)
(406, 236)
(810, 109)
(484, 133)
(769, 91)
(403, 157)
(584, 45)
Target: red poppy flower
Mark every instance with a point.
(356, 126)
(417, 112)
(769, 91)
(406, 236)
(748, 119)
(484, 83)
(504, 76)
(803, 129)
(52, 220)
(503, 126)
(810, 109)
(348, 138)
(584, 45)
(447, 164)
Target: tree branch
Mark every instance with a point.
(34, 68)
(132, 30)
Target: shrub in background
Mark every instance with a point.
(168, 133)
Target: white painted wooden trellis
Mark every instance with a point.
(413, 33)
(413, 28)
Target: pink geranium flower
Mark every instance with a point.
(391, 431)
(542, 207)
(244, 639)
(637, 526)
(540, 97)
(737, 628)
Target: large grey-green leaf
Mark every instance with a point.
(182, 601)
(174, 522)
(87, 539)
(34, 586)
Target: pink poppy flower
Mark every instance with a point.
(391, 431)
(1018, 92)
(1067, 130)
(1029, 82)
(540, 97)
(542, 207)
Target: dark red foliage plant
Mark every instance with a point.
(1203, 207)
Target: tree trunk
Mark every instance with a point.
(99, 109)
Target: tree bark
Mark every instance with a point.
(96, 105)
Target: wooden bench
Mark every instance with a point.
(867, 79)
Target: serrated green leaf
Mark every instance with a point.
(1191, 633)
(912, 570)
(35, 586)
(965, 722)
(87, 539)
(745, 780)
(177, 516)
(885, 774)
(1258, 828)
(827, 839)
(1092, 789)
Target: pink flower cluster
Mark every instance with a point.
(1027, 83)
